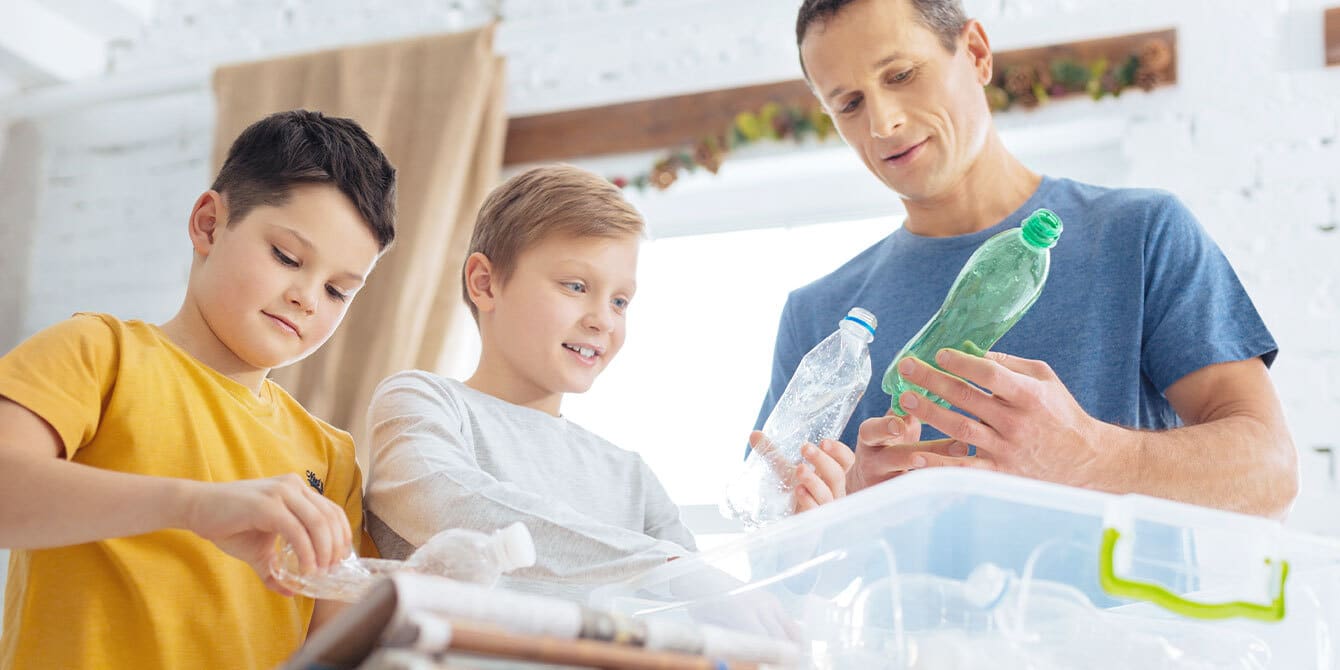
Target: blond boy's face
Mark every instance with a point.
(274, 286)
(559, 319)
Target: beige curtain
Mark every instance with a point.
(435, 106)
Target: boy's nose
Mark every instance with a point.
(301, 299)
(599, 320)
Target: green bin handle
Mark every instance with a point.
(1125, 588)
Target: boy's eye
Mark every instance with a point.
(335, 294)
(283, 258)
(575, 286)
(621, 304)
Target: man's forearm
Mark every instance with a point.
(1238, 463)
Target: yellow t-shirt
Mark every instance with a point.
(123, 397)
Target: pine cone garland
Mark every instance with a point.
(663, 175)
(1155, 56)
(1146, 80)
(709, 155)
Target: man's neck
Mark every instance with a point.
(995, 186)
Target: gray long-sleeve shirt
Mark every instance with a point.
(447, 456)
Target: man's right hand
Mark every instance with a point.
(244, 519)
(889, 445)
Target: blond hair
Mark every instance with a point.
(542, 202)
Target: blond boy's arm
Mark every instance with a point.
(48, 501)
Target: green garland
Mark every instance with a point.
(1025, 85)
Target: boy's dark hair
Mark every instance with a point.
(287, 149)
(945, 18)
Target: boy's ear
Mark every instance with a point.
(207, 216)
(480, 281)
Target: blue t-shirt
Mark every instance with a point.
(1137, 297)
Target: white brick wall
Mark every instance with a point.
(1248, 139)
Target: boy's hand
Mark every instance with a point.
(244, 518)
(888, 446)
(820, 479)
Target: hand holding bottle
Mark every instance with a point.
(1027, 423)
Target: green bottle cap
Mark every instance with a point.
(1042, 228)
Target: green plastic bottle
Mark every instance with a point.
(997, 285)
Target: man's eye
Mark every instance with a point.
(850, 106)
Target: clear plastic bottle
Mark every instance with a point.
(471, 556)
(816, 405)
(456, 553)
(997, 285)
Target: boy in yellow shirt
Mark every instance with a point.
(139, 462)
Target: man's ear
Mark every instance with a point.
(979, 50)
(208, 216)
(480, 281)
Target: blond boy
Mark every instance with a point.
(139, 462)
(550, 277)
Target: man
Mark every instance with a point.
(1143, 366)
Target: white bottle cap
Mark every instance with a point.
(863, 317)
(515, 547)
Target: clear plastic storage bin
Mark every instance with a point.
(956, 568)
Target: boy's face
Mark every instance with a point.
(560, 318)
(914, 112)
(273, 286)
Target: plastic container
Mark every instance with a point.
(957, 568)
(816, 406)
(995, 288)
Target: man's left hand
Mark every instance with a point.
(1023, 419)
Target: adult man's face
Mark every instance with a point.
(913, 110)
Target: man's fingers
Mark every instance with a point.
(932, 460)
(962, 428)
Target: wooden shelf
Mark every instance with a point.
(668, 122)
(1332, 33)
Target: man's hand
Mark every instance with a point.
(1026, 421)
(820, 479)
(888, 446)
(244, 519)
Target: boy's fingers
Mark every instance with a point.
(815, 487)
(830, 474)
(844, 456)
(314, 527)
(290, 528)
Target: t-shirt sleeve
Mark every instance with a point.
(345, 488)
(662, 514)
(1197, 312)
(62, 374)
(425, 478)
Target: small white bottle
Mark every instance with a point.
(471, 556)
(456, 553)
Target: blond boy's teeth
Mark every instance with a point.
(584, 352)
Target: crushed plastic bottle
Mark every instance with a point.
(455, 553)
(816, 405)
